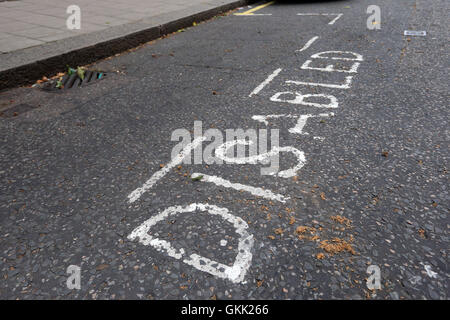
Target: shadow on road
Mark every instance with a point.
(296, 2)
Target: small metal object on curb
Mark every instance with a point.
(415, 33)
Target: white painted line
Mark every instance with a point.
(252, 14)
(267, 194)
(357, 56)
(265, 82)
(308, 44)
(301, 123)
(264, 158)
(346, 85)
(300, 99)
(235, 273)
(136, 194)
(330, 68)
(338, 15)
(263, 119)
(336, 19)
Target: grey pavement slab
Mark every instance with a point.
(27, 14)
(35, 39)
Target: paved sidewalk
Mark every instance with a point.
(27, 23)
(35, 41)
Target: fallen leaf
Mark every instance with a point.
(102, 267)
(198, 178)
(422, 233)
(80, 73)
(292, 220)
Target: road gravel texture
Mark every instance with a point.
(373, 191)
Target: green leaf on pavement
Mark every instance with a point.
(59, 84)
(197, 178)
(80, 73)
(70, 70)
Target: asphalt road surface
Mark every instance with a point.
(87, 176)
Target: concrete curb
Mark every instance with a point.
(32, 63)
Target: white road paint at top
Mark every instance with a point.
(308, 44)
(357, 56)
(330, 68)
(235, 273)
(221, 152)
(300, 98)
(267, 194)
(265, 82)
(346, 85)
(136, 194)
(301, 123)
(338, 15)
(263, 119)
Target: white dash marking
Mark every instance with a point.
(336, 19)
(136, 194)
(218, 181)
(308, 44)
(265, 82)
(338, 15)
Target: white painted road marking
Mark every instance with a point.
(136, 194)
(300, 98)
(346, 85)
(301, 122)
(308, 44)
(221, 152)
(338, 15)
(235, 273)
(357, 56)
(267, 194)
(265, 82)
(330, 67)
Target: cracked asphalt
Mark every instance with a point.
(373, 190)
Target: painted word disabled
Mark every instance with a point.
(235, 273)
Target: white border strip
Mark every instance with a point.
(323, 14)
(265, 82)
(267, 194)
(308, 44)
(136, 194)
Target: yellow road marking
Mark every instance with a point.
(250, 12)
